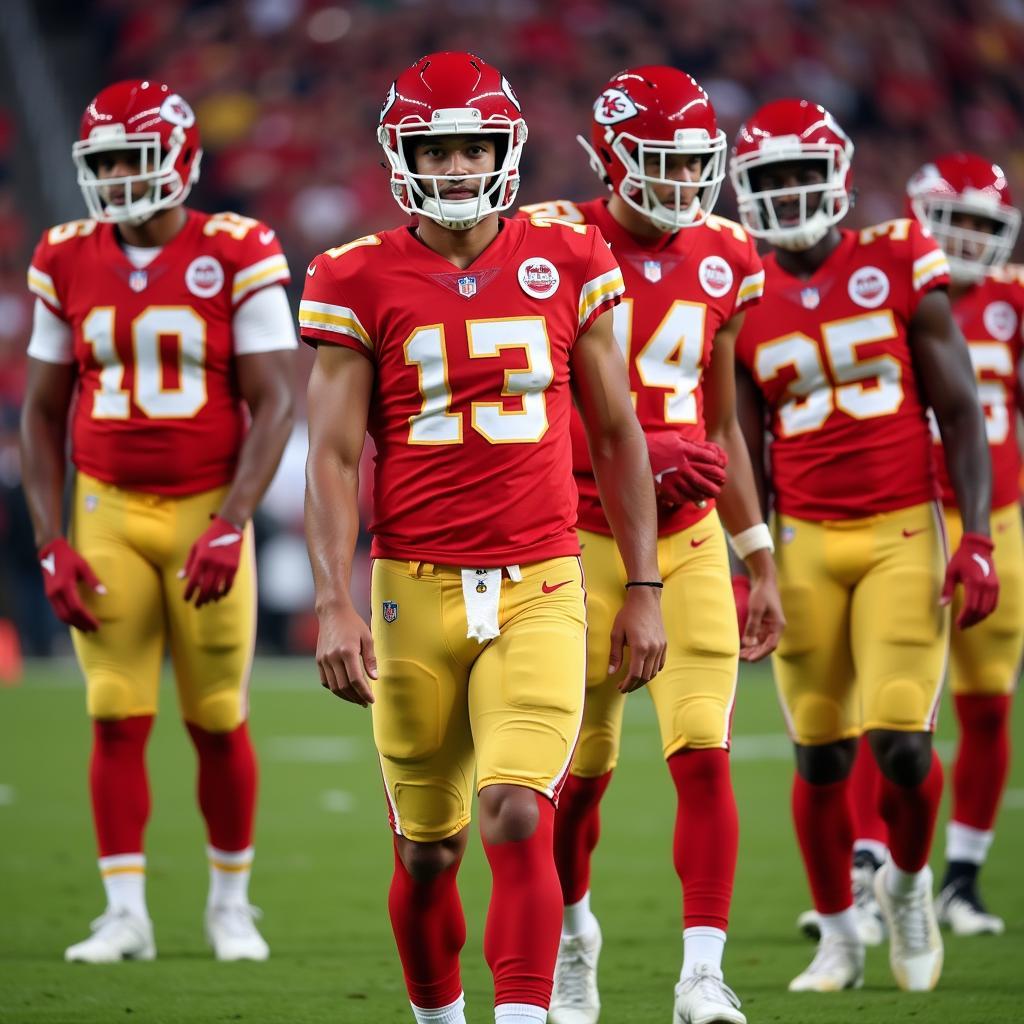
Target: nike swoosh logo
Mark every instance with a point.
(49, 563)
(266, 237)
(311, 270)
(694, 543)
(984, 565)
(913, 533)
(225, 539)
(550, 590)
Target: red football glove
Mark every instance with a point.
(685, 471)
(741, 595)
(213, 562)
(63, 567)
(972, 566)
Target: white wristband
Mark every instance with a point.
(750, 540)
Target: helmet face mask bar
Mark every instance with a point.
(964, 185)
(644, 118)
(148, 126)
(487, 108)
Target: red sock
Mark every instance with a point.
(430, 931)
(577, 828)
(910, 813)
(524, 920)
(865, 793)
(227, 785)
(706, 835)
(824, 830)
(982, 761)
(119, 785)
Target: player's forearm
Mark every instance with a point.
(259, 457)
(42, 471)
(623, 473)
(968, 463)
(332, 527)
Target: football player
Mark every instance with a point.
(964, 201)
(690, 276)
(167, 334)
(460, 341)
(854, 339)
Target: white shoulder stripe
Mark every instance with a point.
(257, 275)
(325, 316)
(599, 290)
(42, 285)
(752, 286)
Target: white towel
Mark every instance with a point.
(481, 589)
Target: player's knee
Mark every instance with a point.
(216, 713)
(508, 814)
(111, 696)
(817, 719)
(425, 861)
(903, 757)
(826, 763)
(700, 722)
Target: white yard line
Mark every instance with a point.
(337, 801)
(311, 749)
(6, 795)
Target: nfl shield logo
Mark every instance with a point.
(390, 611)
(652, 270)
(810, 298)
(137, 280)
(467, 286)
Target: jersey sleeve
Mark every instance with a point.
(258, 261)
(334, 309)
(930, 266)
(603, 286)
(43, 278)
(751, 287)
(264, 323)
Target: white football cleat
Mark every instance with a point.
(838, 964)
(959, 907)
(231, 931)
(870, 923)
(915, 945)
(574, 997)
(116, 935)
(704, 998)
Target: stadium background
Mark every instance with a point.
(287, 94)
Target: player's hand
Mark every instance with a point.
(685, 471)
(764, 620)
(212, 563)
(972, 566)
(639, 627)
(345, 655)
(63, 568)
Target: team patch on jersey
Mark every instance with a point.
(389, 609)
(868, 287)
(1000, 320)
(538, 277)
(613, 106)
(137, 280)
(176, 111)
(204, 277)
(787, 534)
(810, 297)
(715, 276)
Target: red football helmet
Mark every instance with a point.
(152, 122)
(788, 131)
(452, 94)
(966, 184)
(657, 112)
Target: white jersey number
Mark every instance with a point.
(186, 330)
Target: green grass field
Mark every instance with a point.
(323, 863)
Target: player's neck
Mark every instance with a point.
(806, 262)
(157, 231)
(632, 220)
(458, 247)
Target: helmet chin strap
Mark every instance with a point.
(457, 214)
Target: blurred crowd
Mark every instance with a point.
(287, 94)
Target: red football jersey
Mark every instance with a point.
(157, 406)
(680, 289)
(831, 356)
(471, 402)
(990, 315)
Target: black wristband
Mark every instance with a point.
(657, 584)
